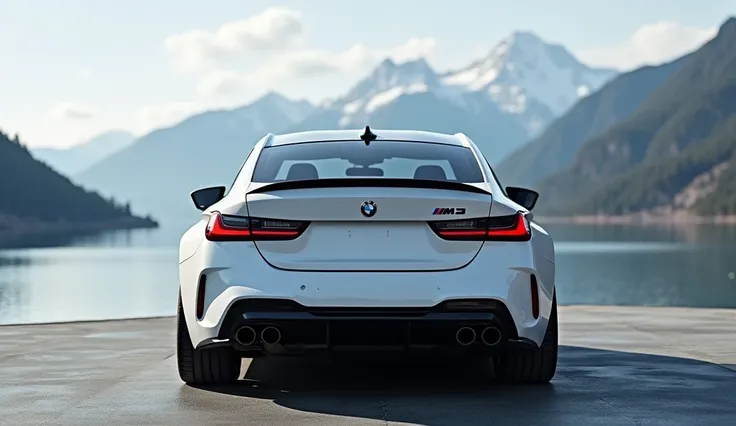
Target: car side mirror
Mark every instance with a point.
(205, 197)
(522, 196)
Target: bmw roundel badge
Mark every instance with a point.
(368, 208)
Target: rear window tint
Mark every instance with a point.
(380, 159)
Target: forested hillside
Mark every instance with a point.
(36, 199)
(702, 179)
(675, 154)
(555, 149)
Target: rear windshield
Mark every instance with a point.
(381, 159)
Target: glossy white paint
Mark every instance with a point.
(341, 238)
(236, 270)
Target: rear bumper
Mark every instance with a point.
(236, 274)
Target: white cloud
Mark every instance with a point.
(277, 34)
(651, 44)
(164, 115)
(307, 63)
(222, 82)
(71, 111)
(273, 29)
(311, 63)
(414, 48)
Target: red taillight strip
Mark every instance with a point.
(274, 233)
(218, 230)
(463, 233)
(518, 231)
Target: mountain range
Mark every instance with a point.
(205, 149)
(500, 100)
(73, 160)
(658, 139)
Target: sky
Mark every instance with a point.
(72, 69)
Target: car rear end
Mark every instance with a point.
(323, 251)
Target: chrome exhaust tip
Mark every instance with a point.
(245, 336)
(491, 336)
(270, 335)
(465, 336)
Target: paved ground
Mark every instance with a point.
(619, 366)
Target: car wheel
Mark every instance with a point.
(531, 366)
(203, 366)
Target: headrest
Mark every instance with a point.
(302, 171)
(430, 173)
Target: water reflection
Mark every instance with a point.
(667, 265)
(167, 236)
(663, 233)
(585, 247)
(86, 283)
(134, 273)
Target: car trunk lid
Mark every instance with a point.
(346, 234)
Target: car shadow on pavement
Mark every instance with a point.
(591, 387)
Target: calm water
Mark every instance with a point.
(134, 273)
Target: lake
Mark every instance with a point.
(134, 273)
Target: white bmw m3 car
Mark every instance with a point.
(365, 240)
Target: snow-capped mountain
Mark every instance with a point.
(412, 95)
(523, 67)
(531, 80)
(385, 84)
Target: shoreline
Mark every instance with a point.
(96, 321)
(639, 219)
(13, 234)
(569, 306)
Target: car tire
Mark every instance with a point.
(531, 366)
(207, 366)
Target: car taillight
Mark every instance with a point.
(498, 228)
(222, 227)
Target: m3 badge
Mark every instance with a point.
(448, 210)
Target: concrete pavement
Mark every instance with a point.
(618, 366)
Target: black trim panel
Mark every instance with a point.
(368, 183)
(307, 316)
(320, 328)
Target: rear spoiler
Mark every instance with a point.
(367, 183)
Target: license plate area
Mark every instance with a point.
(369, 233)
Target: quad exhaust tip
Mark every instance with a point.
(491, 336)
(270, 335)
(245, 336)
(465, 336)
